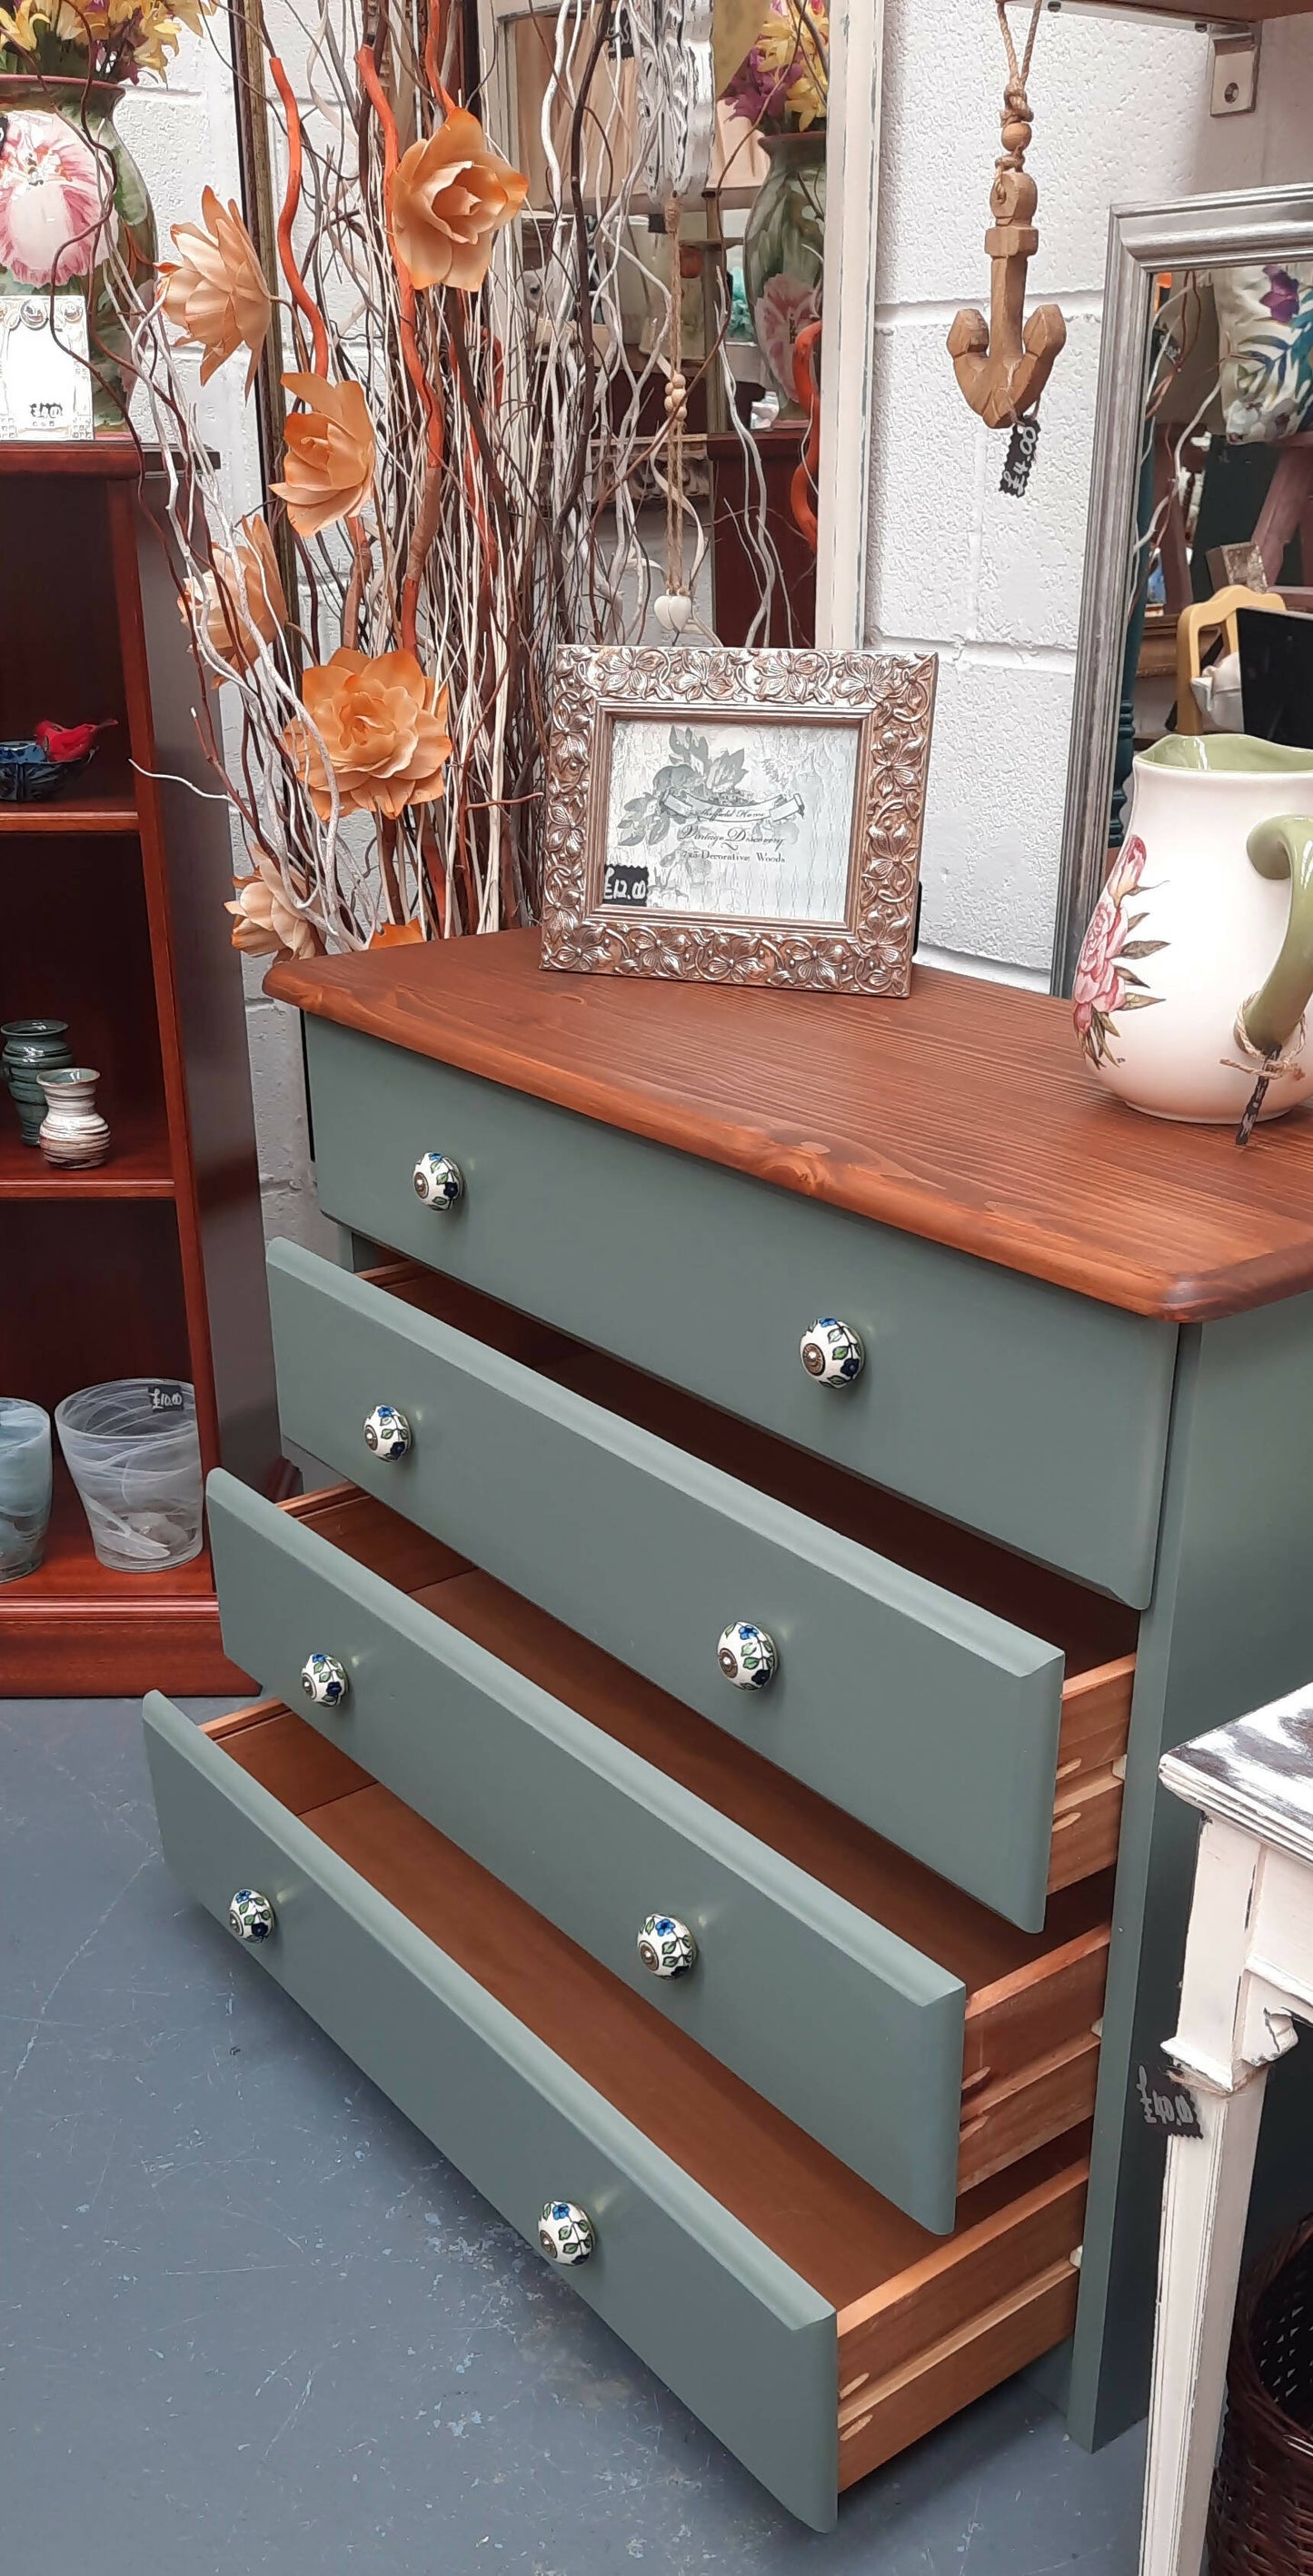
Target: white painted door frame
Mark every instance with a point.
(852, 179)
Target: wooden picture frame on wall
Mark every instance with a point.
(731, 816)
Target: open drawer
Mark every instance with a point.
(923, 2039)
(963, 1703)
(809, 2324)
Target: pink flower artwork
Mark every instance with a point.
(1106, 981)
(784, 308)
(56, 201)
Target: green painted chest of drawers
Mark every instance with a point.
(803, 1460)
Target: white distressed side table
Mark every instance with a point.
(1248, 1979)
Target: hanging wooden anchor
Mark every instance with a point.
(1003, 366)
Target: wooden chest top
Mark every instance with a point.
(964, 1114)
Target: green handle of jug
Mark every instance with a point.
(1284, 848)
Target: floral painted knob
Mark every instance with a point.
(666, 1947)
(324, 1680)
(565, 2233)
(439, 1182)
(747, 1655)
(832, 1352)
(250, 1915)
(387, 1432)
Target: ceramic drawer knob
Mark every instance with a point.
(250, 1915)
(747, 1655)
(439, 1182)
(565, 2233)
(387, 1432)
(325, 1681)
(666, 1947)
(832, 1352)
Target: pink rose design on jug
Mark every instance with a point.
(1106, 981)
(56, 204)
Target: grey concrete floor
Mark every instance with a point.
(250, 2321)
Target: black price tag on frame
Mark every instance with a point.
(1166, 2102)
(625, 882)
(1019, 459)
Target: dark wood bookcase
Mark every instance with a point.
(111, 901)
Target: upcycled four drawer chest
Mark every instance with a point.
(805, 1458)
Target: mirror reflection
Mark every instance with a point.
(727, 293)
(1223, 538)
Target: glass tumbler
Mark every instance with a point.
(24, 1486)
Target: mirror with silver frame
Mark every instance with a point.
(775, 556)
(1201, 496)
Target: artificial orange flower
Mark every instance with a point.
(264, 924)
(329, 457)
(383, 724)
(215, 295)
(451, 195)
(397, 934)
(240, 604)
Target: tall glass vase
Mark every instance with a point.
(784, 252)
(71, 195)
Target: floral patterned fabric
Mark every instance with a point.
(1265, 334)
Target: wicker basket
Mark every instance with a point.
(1260, 2520)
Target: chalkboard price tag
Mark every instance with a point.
(625, 882)
(1166, 2102)
(1019, 459)
(166, 1395)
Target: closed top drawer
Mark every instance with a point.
(1022, 1409)
(935, 1720)
(921, 2038)
(814, 2328)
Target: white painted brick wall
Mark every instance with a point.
(992, 585)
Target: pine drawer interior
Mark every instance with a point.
(925, 2323)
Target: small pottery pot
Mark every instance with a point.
(31, 1048)
(71, 199)
(784, 253)
(24, 1486)
(73, 1135)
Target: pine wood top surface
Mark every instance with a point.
(964, 1114)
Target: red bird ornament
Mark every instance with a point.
(64, 743)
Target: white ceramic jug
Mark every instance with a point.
(1197, 966)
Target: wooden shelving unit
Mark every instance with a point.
(113, 911)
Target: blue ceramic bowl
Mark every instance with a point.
(27, 777)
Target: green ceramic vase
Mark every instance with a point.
(69, 187)
(784, 252)
(31, 1048)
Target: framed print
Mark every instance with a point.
(736, 817)
(45, 382)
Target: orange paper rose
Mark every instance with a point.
(215, 294)
(384, 727)
(329, 457)
(240, 605)
(451, 195)
(264, 924)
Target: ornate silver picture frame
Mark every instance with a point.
(731, 816)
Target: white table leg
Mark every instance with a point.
(1204, 2209)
